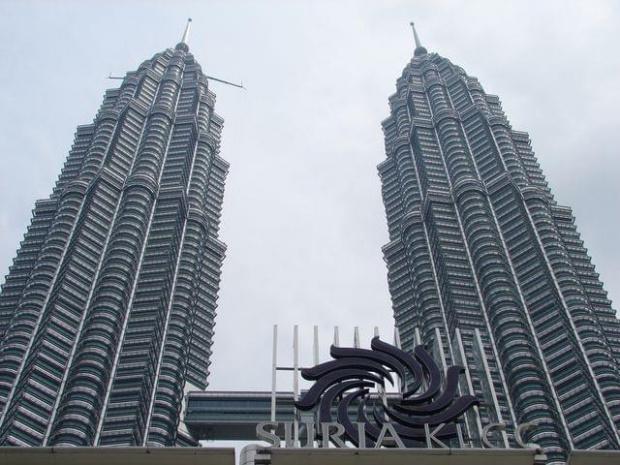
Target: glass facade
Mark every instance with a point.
(487, 268)
(107, 314)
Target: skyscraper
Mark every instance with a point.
(107, 314)
(489, 270)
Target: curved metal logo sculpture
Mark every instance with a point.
(345, 382)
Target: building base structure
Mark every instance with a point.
(117, 456)
(260, 455)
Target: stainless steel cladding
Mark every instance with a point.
(107, 314)
(487, 269)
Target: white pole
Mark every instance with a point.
(396, 337)
(296, 363)
(274, 372)
(316, 345)
(397, 344)
(296, 382)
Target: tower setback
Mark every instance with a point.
(486, 268)
(107, 314)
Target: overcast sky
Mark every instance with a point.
(303, 217)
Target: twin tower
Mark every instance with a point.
(107, 314)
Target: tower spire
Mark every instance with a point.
(186, 33)
(419, 49)
(183, 44)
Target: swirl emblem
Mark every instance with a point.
(342, 386)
